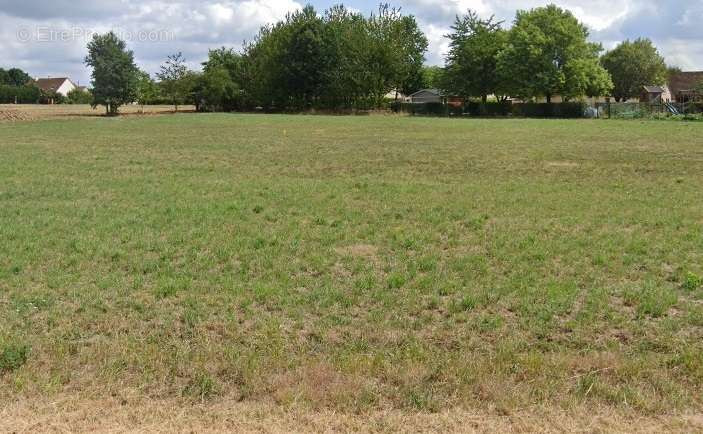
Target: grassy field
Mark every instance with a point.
(351, 266)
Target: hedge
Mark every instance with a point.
(560, 110)
(491, 108)
(19, 94)
(500, 109)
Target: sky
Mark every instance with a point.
(49, 38)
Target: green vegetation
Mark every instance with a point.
(14, 77)
(175, 81)
(114, 74)
(354, 263)
(471, 69)
(548, 54)
(633, 65)
(19, 94)
(15, 87)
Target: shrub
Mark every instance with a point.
(692, 281)
(78, 96)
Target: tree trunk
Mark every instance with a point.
(484, 98)
(549, 99)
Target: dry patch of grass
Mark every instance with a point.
(137, 415)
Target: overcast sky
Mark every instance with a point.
(49, 38)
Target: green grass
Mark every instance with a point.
(354, 263)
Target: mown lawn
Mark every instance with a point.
(354, 263)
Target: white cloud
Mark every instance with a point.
(54, 36)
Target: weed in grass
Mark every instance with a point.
(651, 300)
(692, 282)
(201, 387)
(396, 281)
(12, 357)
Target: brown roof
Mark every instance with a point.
(50, 84)
(685, 81)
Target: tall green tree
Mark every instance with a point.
(18, 77)
(147, 89)
(14, 77)
(217, 91)
(395, 52)
(114, 75)
(345, 40)
(339, 59)
(548, 54)
(173, 79)
(472, 61)
(433, 77)
(221, 84)
(632, 65)
(302, 57)
(410, 45)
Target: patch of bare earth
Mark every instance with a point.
(358, 251)
(562, 165)
(33, 112)
(123, 415)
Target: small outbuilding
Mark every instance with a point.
(654, 95)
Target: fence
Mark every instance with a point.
(564, 110)
(632, 110)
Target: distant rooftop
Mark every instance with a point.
(50, 84)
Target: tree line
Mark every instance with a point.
(337, 60)
(341, 59)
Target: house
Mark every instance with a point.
(683, 86)
(426, 96)
(50, 86)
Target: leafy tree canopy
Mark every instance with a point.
(632, 65)
(114, 76)
(14, 77)
(471, 63)
(548, 54)
(175, 80)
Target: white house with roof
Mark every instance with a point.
(60, 86)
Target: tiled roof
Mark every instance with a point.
(50, 84)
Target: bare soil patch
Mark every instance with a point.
(33, 112)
